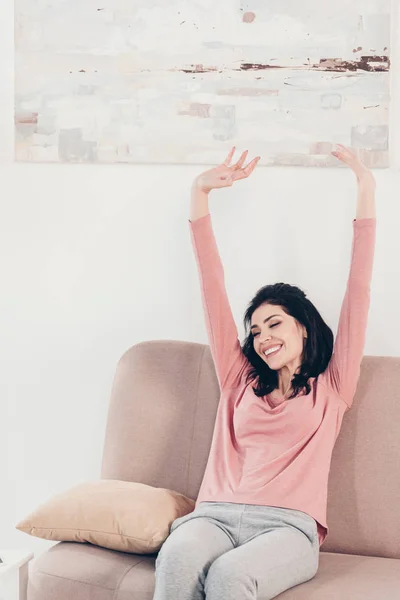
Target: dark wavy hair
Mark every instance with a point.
(318, 346)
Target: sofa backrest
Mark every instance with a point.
(161, 420)
(160, 423)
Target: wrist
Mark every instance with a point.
(366, 178)
(199, 188)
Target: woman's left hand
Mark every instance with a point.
(351, 159)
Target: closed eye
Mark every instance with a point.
(258, 333)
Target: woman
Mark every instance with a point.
(260, 515)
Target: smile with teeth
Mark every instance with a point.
(273, 350)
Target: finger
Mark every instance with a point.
(350, 158)
(229, 157)
(251, 166)
(346, 150)
(241, 160)
(345, 153)
(243, 173)
(337, 154)
(341, 155)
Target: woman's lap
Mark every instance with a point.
(225, 551)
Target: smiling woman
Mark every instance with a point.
(260, 515)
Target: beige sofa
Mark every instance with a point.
(159, 431)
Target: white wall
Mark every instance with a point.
(97, 258)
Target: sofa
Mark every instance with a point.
(159, 429)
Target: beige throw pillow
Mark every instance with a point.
(125, 516)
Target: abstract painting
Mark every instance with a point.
(177, 82)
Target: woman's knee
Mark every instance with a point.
(227, 580)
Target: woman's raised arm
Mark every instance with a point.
(229, 361)
(344, 368)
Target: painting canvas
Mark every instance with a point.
(177, 82)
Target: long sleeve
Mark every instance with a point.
(343, 370)
(229, 360)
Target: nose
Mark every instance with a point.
(265, 338)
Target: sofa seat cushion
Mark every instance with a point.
(76, 571)
(73, 571)
(350, 577)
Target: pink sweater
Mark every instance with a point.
(273, 452)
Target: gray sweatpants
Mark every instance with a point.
(227, 551)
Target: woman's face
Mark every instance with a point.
(278, 338)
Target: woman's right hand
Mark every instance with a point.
(225, 174)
